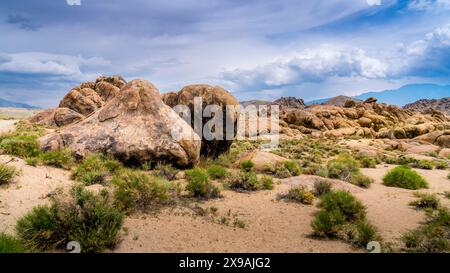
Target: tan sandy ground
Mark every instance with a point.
(271, 225)
(7, 126)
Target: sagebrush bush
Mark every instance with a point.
(327, 223)
(368, 162)
(322, 187)
(167, 171)
(441, 165)
(217, 172)
(361, 180)
(21, 145)
(10, 244)
(364, 233)
(433, 237)
(247, 165)
(404, 177)
(59, 158)
(267, 182)
(283, 169)
(243, 181)
(343, 167)
(299, 194)
(135, 190)
(86, 218)
(425, 201)
(199, 184)
(6, 173)
(94, 169)
(343, 201)
(425, 164)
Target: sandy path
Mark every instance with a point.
(28, 190)
(7, 126)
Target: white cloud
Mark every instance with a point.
(435, 5)
(310, 65)
(49, 64)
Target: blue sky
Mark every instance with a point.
(257, 49)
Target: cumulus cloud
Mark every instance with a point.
(310, 65)
(49, 64)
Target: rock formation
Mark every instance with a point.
(135, 127)
(425, 105)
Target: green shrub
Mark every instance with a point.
(441, 165)
(217, 172)
(433, 237)
(425, 201)
(284, 169)
(58, 158)
(9, 244)
(447, 194)
(315, 169)
(94, 169)
(368, 162)
(6, 173)
(20, 145)
(425, 164)
(243, 181)
(167, 171)
(327, 223)
(404, 177)
(32, 161)
(199, 184)
(86, 218)
(343, 167)
(247, 165)
(322, 187)
(361, 180)
(267, 182)
(299, 194)
(136, 190)
(351, 208)
(363, 234)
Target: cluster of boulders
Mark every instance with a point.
(132, 122)
(364, 119)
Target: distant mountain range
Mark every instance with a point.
(12, 104)
(403, 95)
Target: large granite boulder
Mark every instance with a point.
(135, 127)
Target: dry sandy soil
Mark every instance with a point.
(271, 225)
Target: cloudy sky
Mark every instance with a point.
(258, 49)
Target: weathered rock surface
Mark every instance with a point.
(57, 117)
(289, 103)
(210, 96)
(134, 127)
(84, 101)
(442, 105)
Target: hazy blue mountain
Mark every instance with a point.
(403, 95)
(7, 103)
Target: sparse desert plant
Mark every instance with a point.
(433, 237)
(86, 218)
(327, 223)
(425, 164)
(247, 165)
(343, 201)
(21, 145)
(315, 169)
(59, 158)
(217, 172)
(404, 177)
(10, 244)
(6, 173)
(167, 171)
(239, 223)
(322, 187)
(447, 194)
(299, 194)
(343, 167)
(363, 233)
(243, 181)
(199, 184)
(267, 182)
(441, 165)
(284, 169)
(425, 201)
(135, 190)
(368, 162)
(32, 161)
(361, 180)
(94, 169)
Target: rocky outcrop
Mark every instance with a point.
(424, 106)
(82, 100)
(135, 127)
(210, 95)
(57, 117)
(289, 103)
